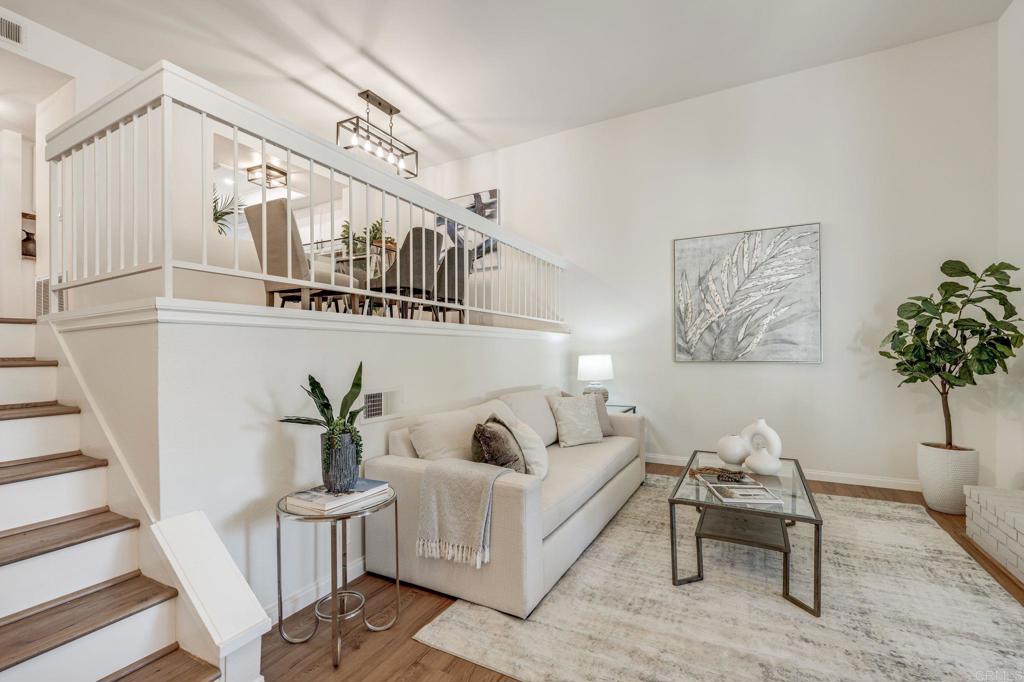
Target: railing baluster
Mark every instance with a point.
(288, 210)
(237, 191)
(149, 181)
(206, 207)
(348, 211)
(312, 224)
(136, 164)
(108, 204)
(263, 209)
(366, 242)
(330, 178)
(96, 205)
(166, 126)
(74, 219)
(122, 194)
(398, 251)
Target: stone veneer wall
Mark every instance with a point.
(995, 522)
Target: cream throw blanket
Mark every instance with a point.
(455, 511)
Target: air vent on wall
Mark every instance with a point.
(381, 404)
(10, 31)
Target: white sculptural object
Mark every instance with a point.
(765, 447)
(762, 462)
(732, 449)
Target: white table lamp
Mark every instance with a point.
(595, 369)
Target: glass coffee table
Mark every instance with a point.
(744, 523)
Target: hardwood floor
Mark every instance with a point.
(393, 656)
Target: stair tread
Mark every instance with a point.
(56, 626)
(37, 411)
(18, 546)
(19, 470)
(177, 666)
(17, 320)
(26, 362)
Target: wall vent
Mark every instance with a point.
(381, 404)
(10, 31)
(43, 297)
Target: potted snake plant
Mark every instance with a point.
(341, 445)
(968, 329)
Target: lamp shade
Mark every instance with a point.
(594, 368)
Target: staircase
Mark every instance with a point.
(73, 603)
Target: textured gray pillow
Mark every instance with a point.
(493, 443)
(577, 421)
(602, 411)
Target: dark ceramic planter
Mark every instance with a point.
(339, 461)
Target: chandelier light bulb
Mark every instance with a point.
(380, 151)
(354, 140)
(391, 157)
(367, 146)
(401, 163)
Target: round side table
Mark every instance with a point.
(334, 607)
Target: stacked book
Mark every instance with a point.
(738, 488)
(317, 500)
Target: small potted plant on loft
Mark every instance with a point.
(341, 446)
(968, 329)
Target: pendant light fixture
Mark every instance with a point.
(358, 132)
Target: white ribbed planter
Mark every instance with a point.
(943, 474)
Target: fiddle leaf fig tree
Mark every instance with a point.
(965, 330)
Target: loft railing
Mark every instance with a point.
(140, 189)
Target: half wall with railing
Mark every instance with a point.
(174, 187)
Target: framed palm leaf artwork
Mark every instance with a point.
(749, 296)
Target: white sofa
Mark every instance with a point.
(538, 527)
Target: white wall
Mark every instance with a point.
(212, 380)
(50, 113)
(15, 272)
(27, 176)
(93, 73)
(1011, 227)
(894, 153)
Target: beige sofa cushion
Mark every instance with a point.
(576, 420)
(532, 407)
(576, 474)
(450, 434)
(534, 450)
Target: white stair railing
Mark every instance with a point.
(133, 185)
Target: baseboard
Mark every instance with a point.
(304, 596)
(816, 474)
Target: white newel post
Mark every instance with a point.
(166, 121)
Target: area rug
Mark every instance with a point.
(901, 601)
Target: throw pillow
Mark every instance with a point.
(534, 451)
(602, 411)
(577, 421)
(493, 443)
(444, 435)
(532, 407)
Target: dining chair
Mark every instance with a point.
(277, 261)
(412, 272)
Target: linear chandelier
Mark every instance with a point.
(358, 131)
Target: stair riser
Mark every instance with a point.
(17, 340)
(27, 385)
(38, 436)
(55, 574)
(100, 653)
(41, 499)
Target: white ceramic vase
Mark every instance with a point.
(732, 449)
(760, 435)
(943, 474)
(762, 462)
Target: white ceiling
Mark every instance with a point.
(474, 75)
(23, 84)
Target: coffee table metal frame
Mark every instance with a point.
(339, 596)
(778, 541)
